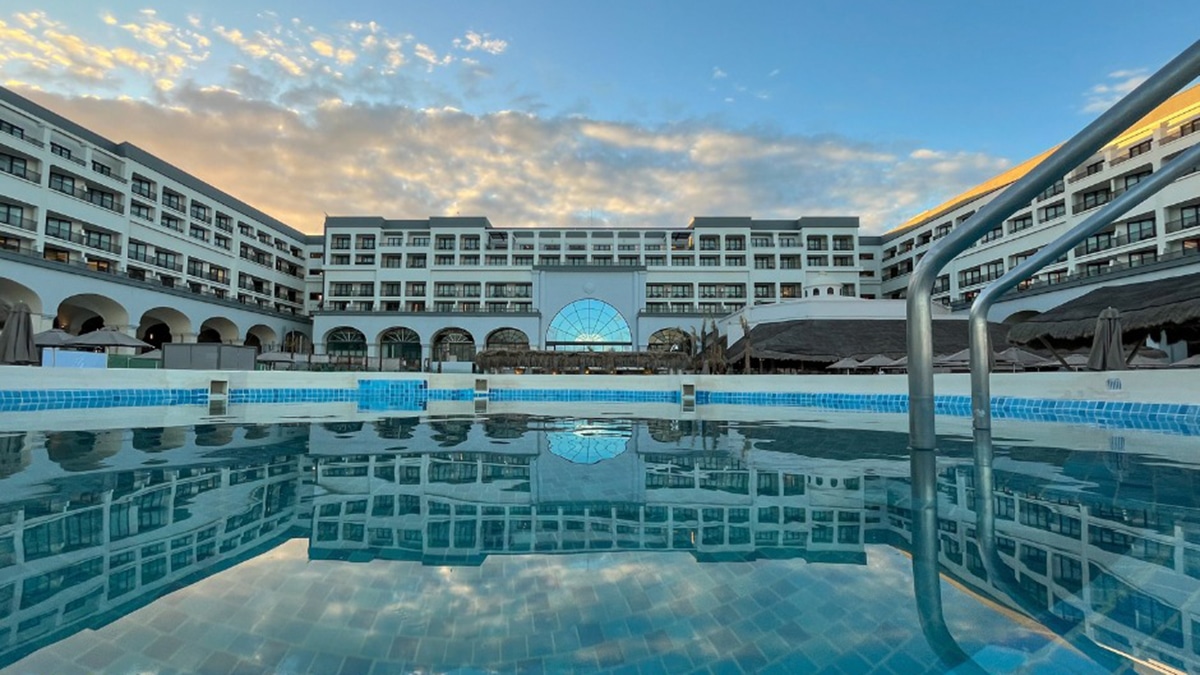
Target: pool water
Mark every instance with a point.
(502, 543)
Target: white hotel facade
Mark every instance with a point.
(94, 232)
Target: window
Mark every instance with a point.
(140, 210)
(143, 187)
(201, 212)
(58, 228)
(1053, 211)
(61, 151)
(1140, 148)
(1093, 168)
(14, 130)
(1021, 222)
(816, 243)
(173, 200)
(102, 169)
(339, 242)
(62, 183)
(13, 165)
(1056, 189)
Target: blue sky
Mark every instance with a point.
(558, 113)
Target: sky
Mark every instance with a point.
(556, 114)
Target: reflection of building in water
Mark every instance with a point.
(115, 541)
(1124, 569)
(465, 506)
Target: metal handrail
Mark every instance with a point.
(1159, 87)
(981, 349)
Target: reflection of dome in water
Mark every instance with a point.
(586, 442)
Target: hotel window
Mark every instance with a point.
(62, 183)
(197, 232)
(172, 200)
(1095, 198)
(1093, 168)
(362, 259)
(102, 169)
(682, 261)
(1140, 148)
(1056, 189)
(143, 187)
(993, 234)
(140, 210)
(469, 260)
(816, 261)
(201, 212)
(789, 291)
(760, 242)
(60, 150)
(523, 260)
(843, 261)
(788, 241)
(1021, 222)
(12, 214)
(58, 228)
(339, 242)
(709, 243)
(764, 291)
(13, 165)
(1140, 229)
(393, 261)
(1053, 211)
(1133, 179)
(443, 260)
(102, 199)
(339, 259)
(735, 243)
(942, 230)
(764, 262)
(496, 260)
(393, 240)
(735, 261)
(816, 243)
(195, 267)
(221, 242)
(12, 129)
(1142, 257)
(843, 243)
(224, 222)
(1189, 127)
(365, 242)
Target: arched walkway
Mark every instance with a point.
(453, 344)
(163, 324)
(12, 292)
(399, 342)
(345, 341)
(670, 340)
(296, 342)
(589, 324)
(507, 338)
(218, 329)
(263, 337)
(87, 312)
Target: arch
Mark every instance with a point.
(218, 329)
(1019, 317)
(94, 310)
(261, 336)
(12, 292)
(453, 344)
(174, 324)
(670, 340)
(296, 342)
(589, 323)
(345, 341)
(400, 342)
(507, 338)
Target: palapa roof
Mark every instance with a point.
(829, 340)
(1165, 304)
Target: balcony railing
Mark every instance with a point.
(156, 261)
(32, 141)
(1186, 223)
(83, 240)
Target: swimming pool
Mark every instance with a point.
(617, 536)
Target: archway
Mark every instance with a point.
(345, 341)
(12, 292)
(670, 340)
(163, 324)
(296, 342)
(86, 312)
(399, 342)
(453, 344)
(262, 337)
(218, 329)
(507, 338)
(589, 324)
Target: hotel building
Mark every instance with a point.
(94, 232)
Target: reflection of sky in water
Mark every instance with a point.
(589, 442)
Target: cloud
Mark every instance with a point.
(718, 74)
(426, 53)
(474, 41)
(1102, 96)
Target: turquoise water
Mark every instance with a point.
(534, 544)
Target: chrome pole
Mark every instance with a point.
(1169, 79)
(981, 349)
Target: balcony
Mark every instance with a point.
(22, 173)
(1185, 223)
(143, 191)
(18, 133)
(1098, 243)
(82, 239)
(164, 263)
(8, 218)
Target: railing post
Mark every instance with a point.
(1160, 86)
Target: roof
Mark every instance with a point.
(1164, 113)
(1149, 307)
(828, 340)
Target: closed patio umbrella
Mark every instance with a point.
(16, 338)
(1107, 353)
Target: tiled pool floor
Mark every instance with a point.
(635, 612)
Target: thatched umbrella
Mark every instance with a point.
(875, 362)
(1106, 352)
(1143, 362)
(1073, 361)
(1017, 358)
